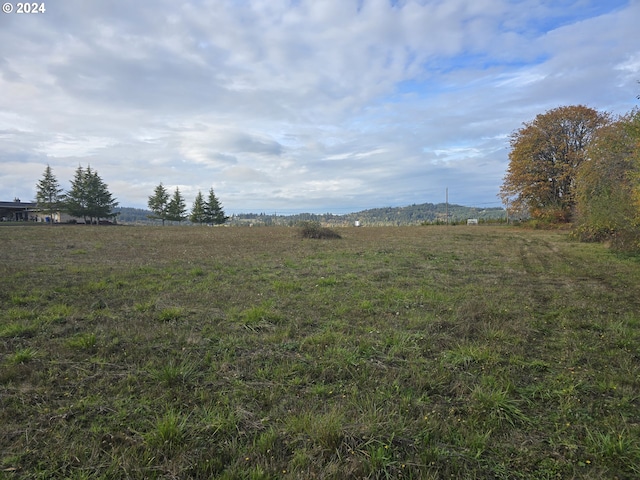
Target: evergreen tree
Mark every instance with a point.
(89, 197)
(198, 214)
(177, 208)
(49, 194)
(213, 210)
(158, 203)
(100, 202)
(76, 198)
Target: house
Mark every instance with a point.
(18, 211)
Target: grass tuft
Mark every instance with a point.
(170, 314)
(15, 330)
(85, 341)
(23, 355)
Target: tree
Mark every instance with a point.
(198, 214)
(76, 198)
(49, 196)
(100, 201)
(158, 203)
(545, 156)
(176, 208)
(89, 197)
(213, 210)
(605, 185)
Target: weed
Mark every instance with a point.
(266, 441)
(14, 330)
(144, 307)
(259, 316)
(494, 406)
(286, 286)
(85, 341)
(613, 445)
(58, 313)
(465, 355)
(168, 432)
(197, 272)
(172, 373)
(381, 462)
(23, 299)
(170, 314)
(24, 355)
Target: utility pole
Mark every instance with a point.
(446, 194)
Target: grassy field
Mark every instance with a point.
(250, 353)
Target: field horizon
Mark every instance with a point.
(252, 353)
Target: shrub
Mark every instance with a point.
(309, 229)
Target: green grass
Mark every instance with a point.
(23, 355)
(237, 353)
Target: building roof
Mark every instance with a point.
(17, 205)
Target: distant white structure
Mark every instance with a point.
(472, 221)
(356, 223)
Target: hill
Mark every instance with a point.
(415, 214)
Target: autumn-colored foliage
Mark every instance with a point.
(545, 156)
(606, 210)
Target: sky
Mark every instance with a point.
(289, 106)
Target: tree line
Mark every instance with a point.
(173, 207)
(89, 198)
(573, 164)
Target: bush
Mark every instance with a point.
(311, 229)
(620, 239)
(593, 233)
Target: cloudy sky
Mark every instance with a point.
(300, 105)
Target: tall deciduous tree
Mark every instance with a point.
(158, 203)
(213, 210)
(633, 128)
(606, 185)
(545, 156)
(49, 194)
(198, 214)
(176, 208)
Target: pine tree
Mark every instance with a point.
(89, 197)
(158, 203)
(198, 214)
(49, 194)
(213, 210)
(100, 201)
(76, 198)
(177, 208)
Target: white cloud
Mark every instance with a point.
(346, 103)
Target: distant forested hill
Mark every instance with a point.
(129, 215)
(409, 215)
(426, 213)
